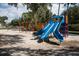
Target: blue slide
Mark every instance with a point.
(50, 30)
(53, 28)
(44, 29)
(58, 36)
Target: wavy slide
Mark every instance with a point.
(52, 29)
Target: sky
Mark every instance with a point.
(11, 12)
(55, 8)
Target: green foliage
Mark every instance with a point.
(39, 12)
(2, 20)
(73, 14)
(14, 22)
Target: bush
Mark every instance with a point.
(74, 27)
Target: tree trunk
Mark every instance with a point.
(59, 9)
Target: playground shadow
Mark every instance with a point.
(17, 51)
(10, 39)
(22, 52)
(53, 43)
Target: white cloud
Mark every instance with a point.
(11, 12)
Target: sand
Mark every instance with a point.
(13, 42)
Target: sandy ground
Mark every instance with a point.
(15, 43)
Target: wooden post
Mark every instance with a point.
(22, 26)
(23, 22)
(66, 26)
(19, 25)
(26, 25)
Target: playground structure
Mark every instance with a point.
(24, 25)
(53, 27)
(59, 28)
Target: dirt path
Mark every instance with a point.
(21, 43)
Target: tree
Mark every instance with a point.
(2, 20)
(73, 16)
(73, 13)
(38, 10)
(67, 5)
